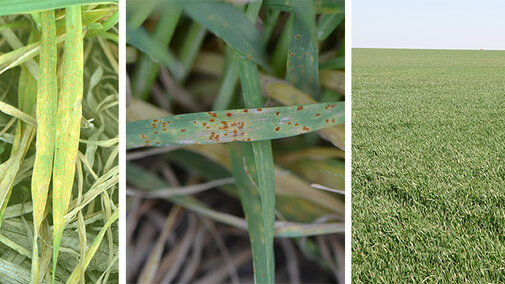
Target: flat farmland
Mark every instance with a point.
(428, 166)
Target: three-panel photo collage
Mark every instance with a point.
(252, 141)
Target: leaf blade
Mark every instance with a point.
(46, 125)
(68, 125)
(8, 7)
(302, 65)
(145, 43)
(231, 25)
(233, 125)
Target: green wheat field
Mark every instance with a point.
(428, 167)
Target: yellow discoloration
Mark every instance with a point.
(45, 115)
(68, 124)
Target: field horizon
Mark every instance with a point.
(441, 49)
(428, 169)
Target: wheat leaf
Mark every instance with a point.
(68, 125)
(233, 125)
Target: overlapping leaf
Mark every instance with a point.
(233, 125)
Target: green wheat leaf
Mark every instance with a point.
(144, 42)
(327, 24)
(231, 25)
(321, 6)
(302, 65)
(251, 204)
(233, 125)
(8, 7)
(147, 71)
(334, 64)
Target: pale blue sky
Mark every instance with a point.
(442, 24)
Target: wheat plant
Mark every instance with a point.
(59, 142)
(245, 98)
